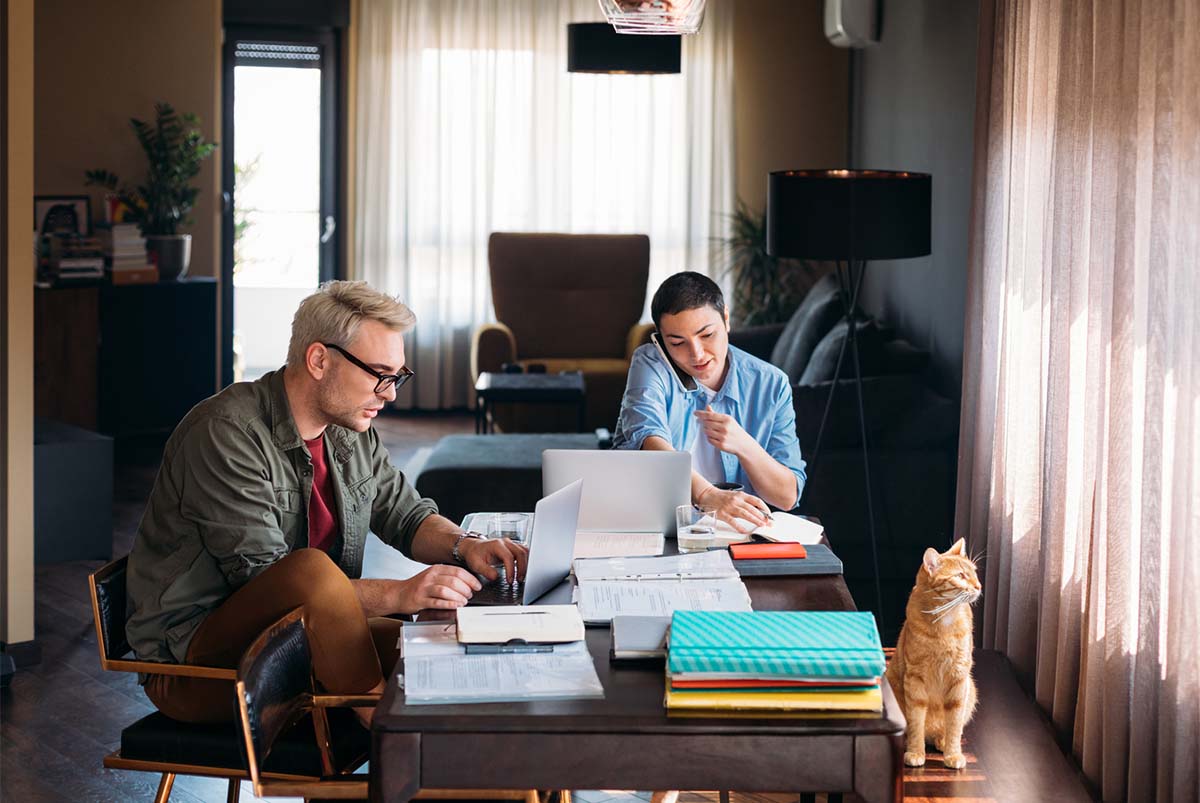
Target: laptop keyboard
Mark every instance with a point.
(500, 592)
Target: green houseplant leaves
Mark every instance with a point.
(175, 149)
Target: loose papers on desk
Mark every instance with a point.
(658, 586)
(437, 670)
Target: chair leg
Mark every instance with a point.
(235, 791)
(164, 787)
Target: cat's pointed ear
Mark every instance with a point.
(931, 561)
(959, 548)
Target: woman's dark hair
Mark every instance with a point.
(685, 291)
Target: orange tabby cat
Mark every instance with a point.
(931, 670)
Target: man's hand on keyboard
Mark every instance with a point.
(438, 586)
(482, 557)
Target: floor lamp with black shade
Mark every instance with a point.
(849, 217)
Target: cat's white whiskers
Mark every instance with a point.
(941, 610)
(946, 609)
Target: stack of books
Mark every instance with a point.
(125, 249)
(774, 661)
(73, 257)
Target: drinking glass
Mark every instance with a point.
(695, 527)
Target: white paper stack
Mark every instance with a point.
(437, 670)
(701, 581)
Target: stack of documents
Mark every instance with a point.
(437, 669)
(701, 581)
(774, 661)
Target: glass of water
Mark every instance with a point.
(514, 526)
(695, 527)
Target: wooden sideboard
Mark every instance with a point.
(124, 360)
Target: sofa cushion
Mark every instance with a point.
(811, 321)
(823, 363)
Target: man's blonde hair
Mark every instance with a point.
(335, 312)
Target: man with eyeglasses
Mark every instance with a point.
(263, 503)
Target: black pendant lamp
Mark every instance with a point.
(594, 47)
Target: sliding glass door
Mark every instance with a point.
(281, 220)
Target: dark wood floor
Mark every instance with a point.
(61, 717)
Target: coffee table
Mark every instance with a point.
(629, 741)
(566, 388)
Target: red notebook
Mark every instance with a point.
(767, 551)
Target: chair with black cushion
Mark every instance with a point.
(157, 743)
(275, 689)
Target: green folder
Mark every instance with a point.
(808, 644)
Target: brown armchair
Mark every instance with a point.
(569, 302)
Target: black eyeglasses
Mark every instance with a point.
(385, 380)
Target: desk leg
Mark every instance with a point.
(878, 773)
(395, 767)
(582, 408)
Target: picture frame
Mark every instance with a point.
(62, 213)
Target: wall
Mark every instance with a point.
(97, 65)
(16, 311)
(790, 92)
(915, 110)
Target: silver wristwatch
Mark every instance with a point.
(454, 553)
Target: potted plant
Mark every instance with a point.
(766, 289)
(175, 149)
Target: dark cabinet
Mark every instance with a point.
(152, 350)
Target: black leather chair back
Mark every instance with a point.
(110, 608)
(276, 676)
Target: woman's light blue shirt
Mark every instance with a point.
(756, 394)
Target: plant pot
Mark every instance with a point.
(171, 253)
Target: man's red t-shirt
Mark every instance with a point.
(322, 525)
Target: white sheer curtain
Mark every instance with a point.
(469, 123)
(1079, 466)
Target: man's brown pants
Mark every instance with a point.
(348, 651)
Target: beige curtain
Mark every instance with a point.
(468, 123)
(1079, 468)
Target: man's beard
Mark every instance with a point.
(337, 412)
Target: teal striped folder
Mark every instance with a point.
(809, 644)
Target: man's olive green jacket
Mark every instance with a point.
(231, 498)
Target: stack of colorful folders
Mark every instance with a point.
(774, 661)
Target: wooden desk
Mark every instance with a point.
(629, 741)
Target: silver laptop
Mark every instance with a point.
(627, 490)
(551, 547)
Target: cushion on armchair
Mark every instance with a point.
(811, 321)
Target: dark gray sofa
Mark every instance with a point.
(912, 432)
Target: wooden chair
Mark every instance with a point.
(275, 689)
(157, 743)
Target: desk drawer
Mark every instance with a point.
(636, 761)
